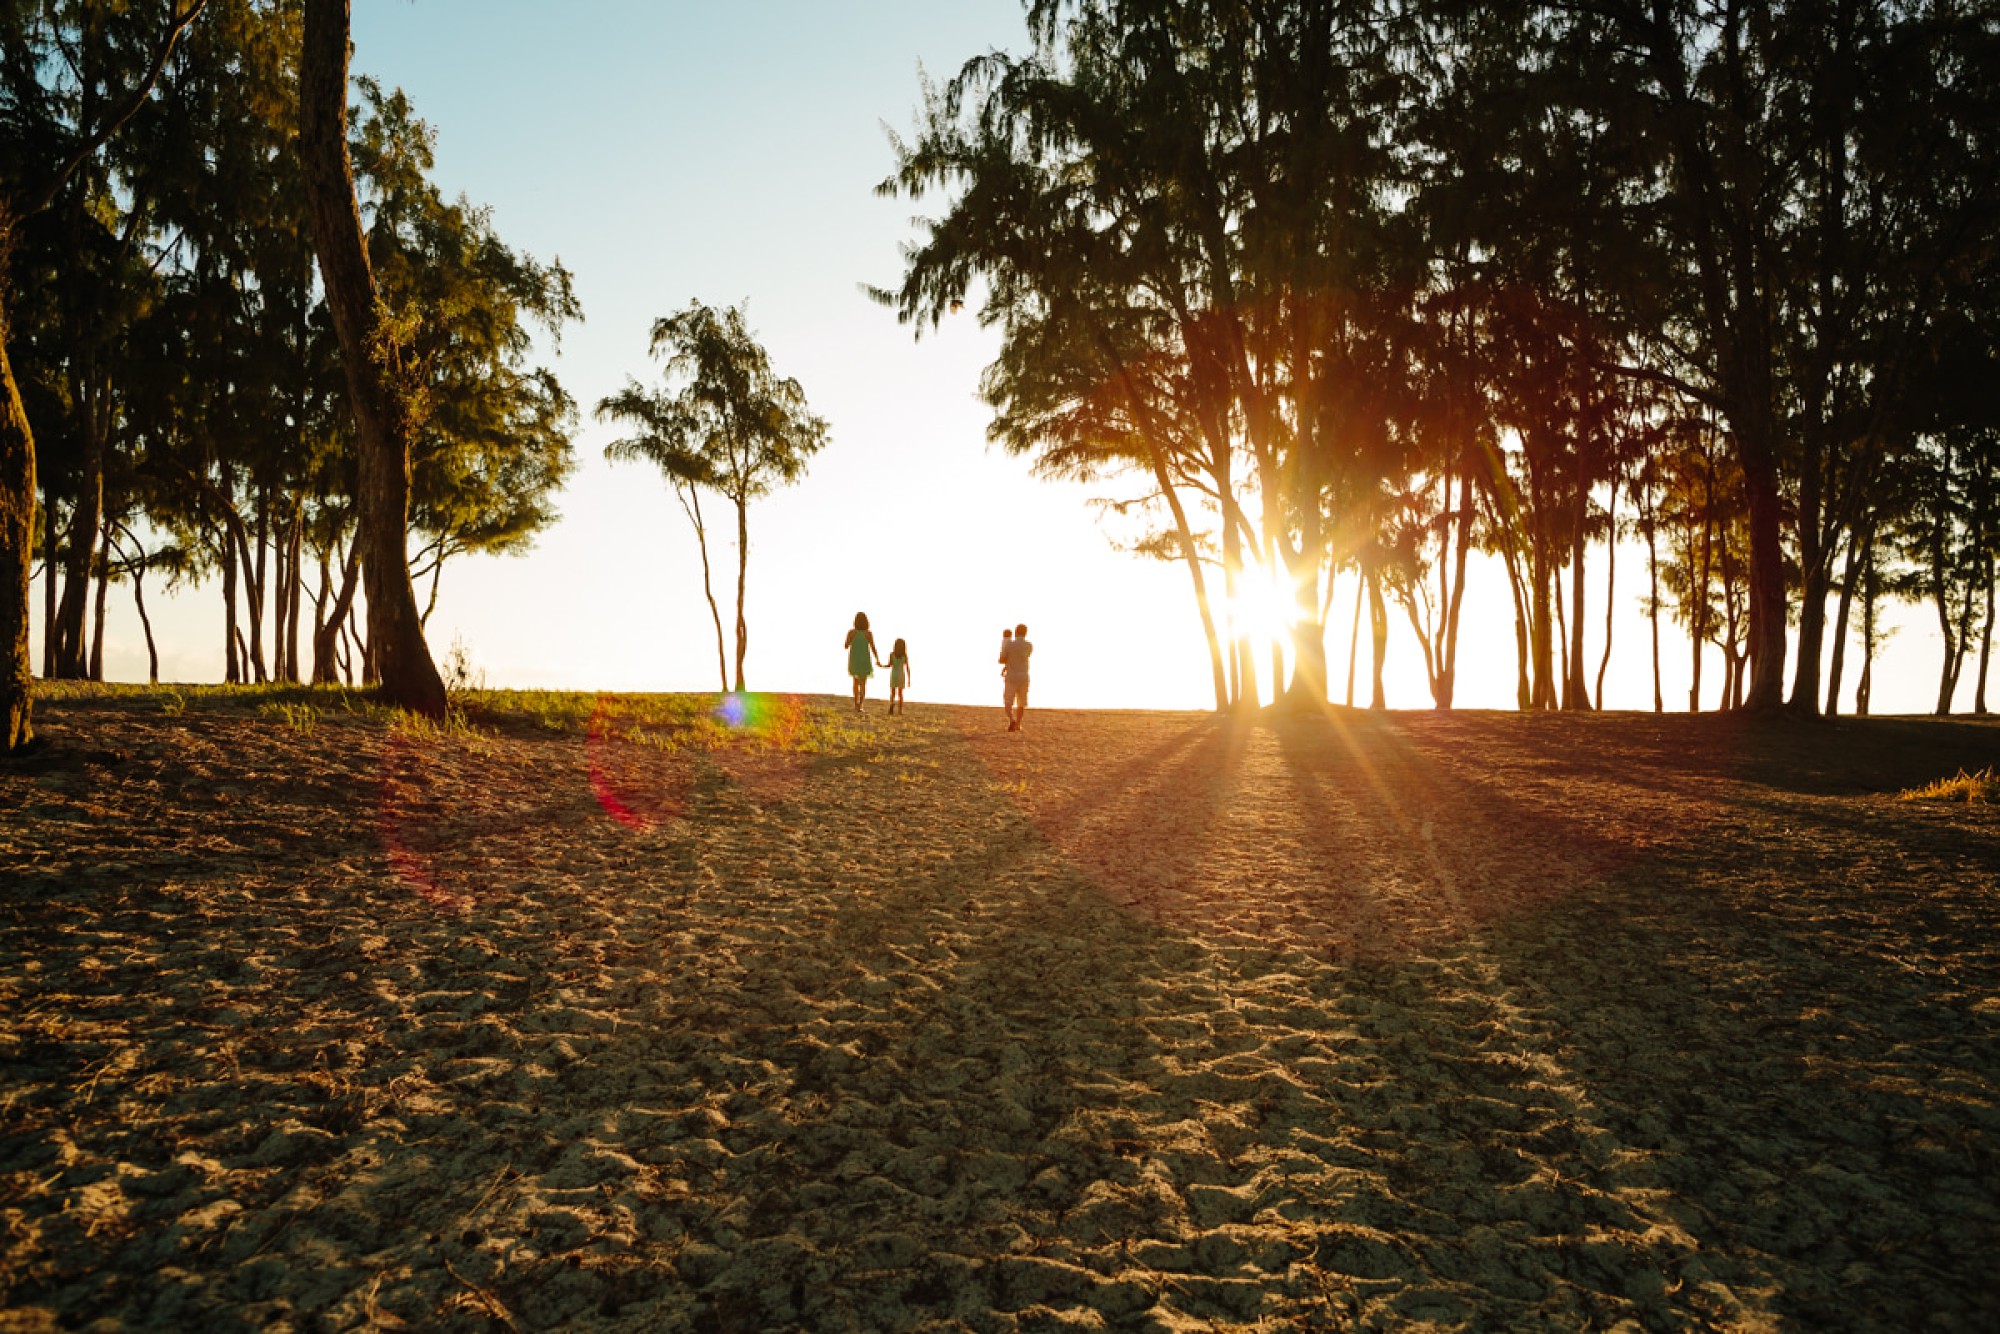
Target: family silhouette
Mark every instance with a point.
(863, 658)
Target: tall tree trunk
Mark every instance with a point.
(383, 427)
(1767, 582)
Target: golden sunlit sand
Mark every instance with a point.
(620, 1014)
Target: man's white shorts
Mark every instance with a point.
(1017, 693)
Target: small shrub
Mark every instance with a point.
(459, 671)
(1974, 789)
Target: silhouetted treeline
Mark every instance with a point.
(1356, 289)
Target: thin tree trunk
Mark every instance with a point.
(1576, 691)
(1241, 664)
(1985, 642)
(691, 503)
(1451, 623)
(295, 585)
(146, 624)
(1610, 581)
(1378, 624)
(742, 583)
(97, 618)
(232, 671)
(1559, 698)
(326, 634)
(1653, 602)
(259, 583)
(72, 653)
(1870, 591)
(49, 570)
(1510, 559)
(1940, 573)
(381, 411)
(1837, 658)
(1354, 636)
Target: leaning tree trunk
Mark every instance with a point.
(17, 541)
(381, 411)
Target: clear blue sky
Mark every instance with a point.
(728, 152)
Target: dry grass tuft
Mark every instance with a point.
(1973, 789)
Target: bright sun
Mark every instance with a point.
(1260, 610)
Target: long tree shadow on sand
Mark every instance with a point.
(1134, 1021)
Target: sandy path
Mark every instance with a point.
(1132, 1021)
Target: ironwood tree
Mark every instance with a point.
(726, 422)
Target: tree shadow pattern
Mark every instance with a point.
(1127, 1021)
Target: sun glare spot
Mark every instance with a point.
(733, 709)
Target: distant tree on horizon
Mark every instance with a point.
(725, 422)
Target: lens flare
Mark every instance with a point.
(639, 785)
(400, 808)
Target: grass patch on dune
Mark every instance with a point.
(1973, 789)
(790, 723)
(672, 722)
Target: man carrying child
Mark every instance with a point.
(1014, 652)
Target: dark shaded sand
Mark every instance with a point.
(1132, 1021)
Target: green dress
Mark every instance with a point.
(860, 655)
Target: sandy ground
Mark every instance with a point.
(1131, 1021)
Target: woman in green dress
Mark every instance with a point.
(861, 657)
